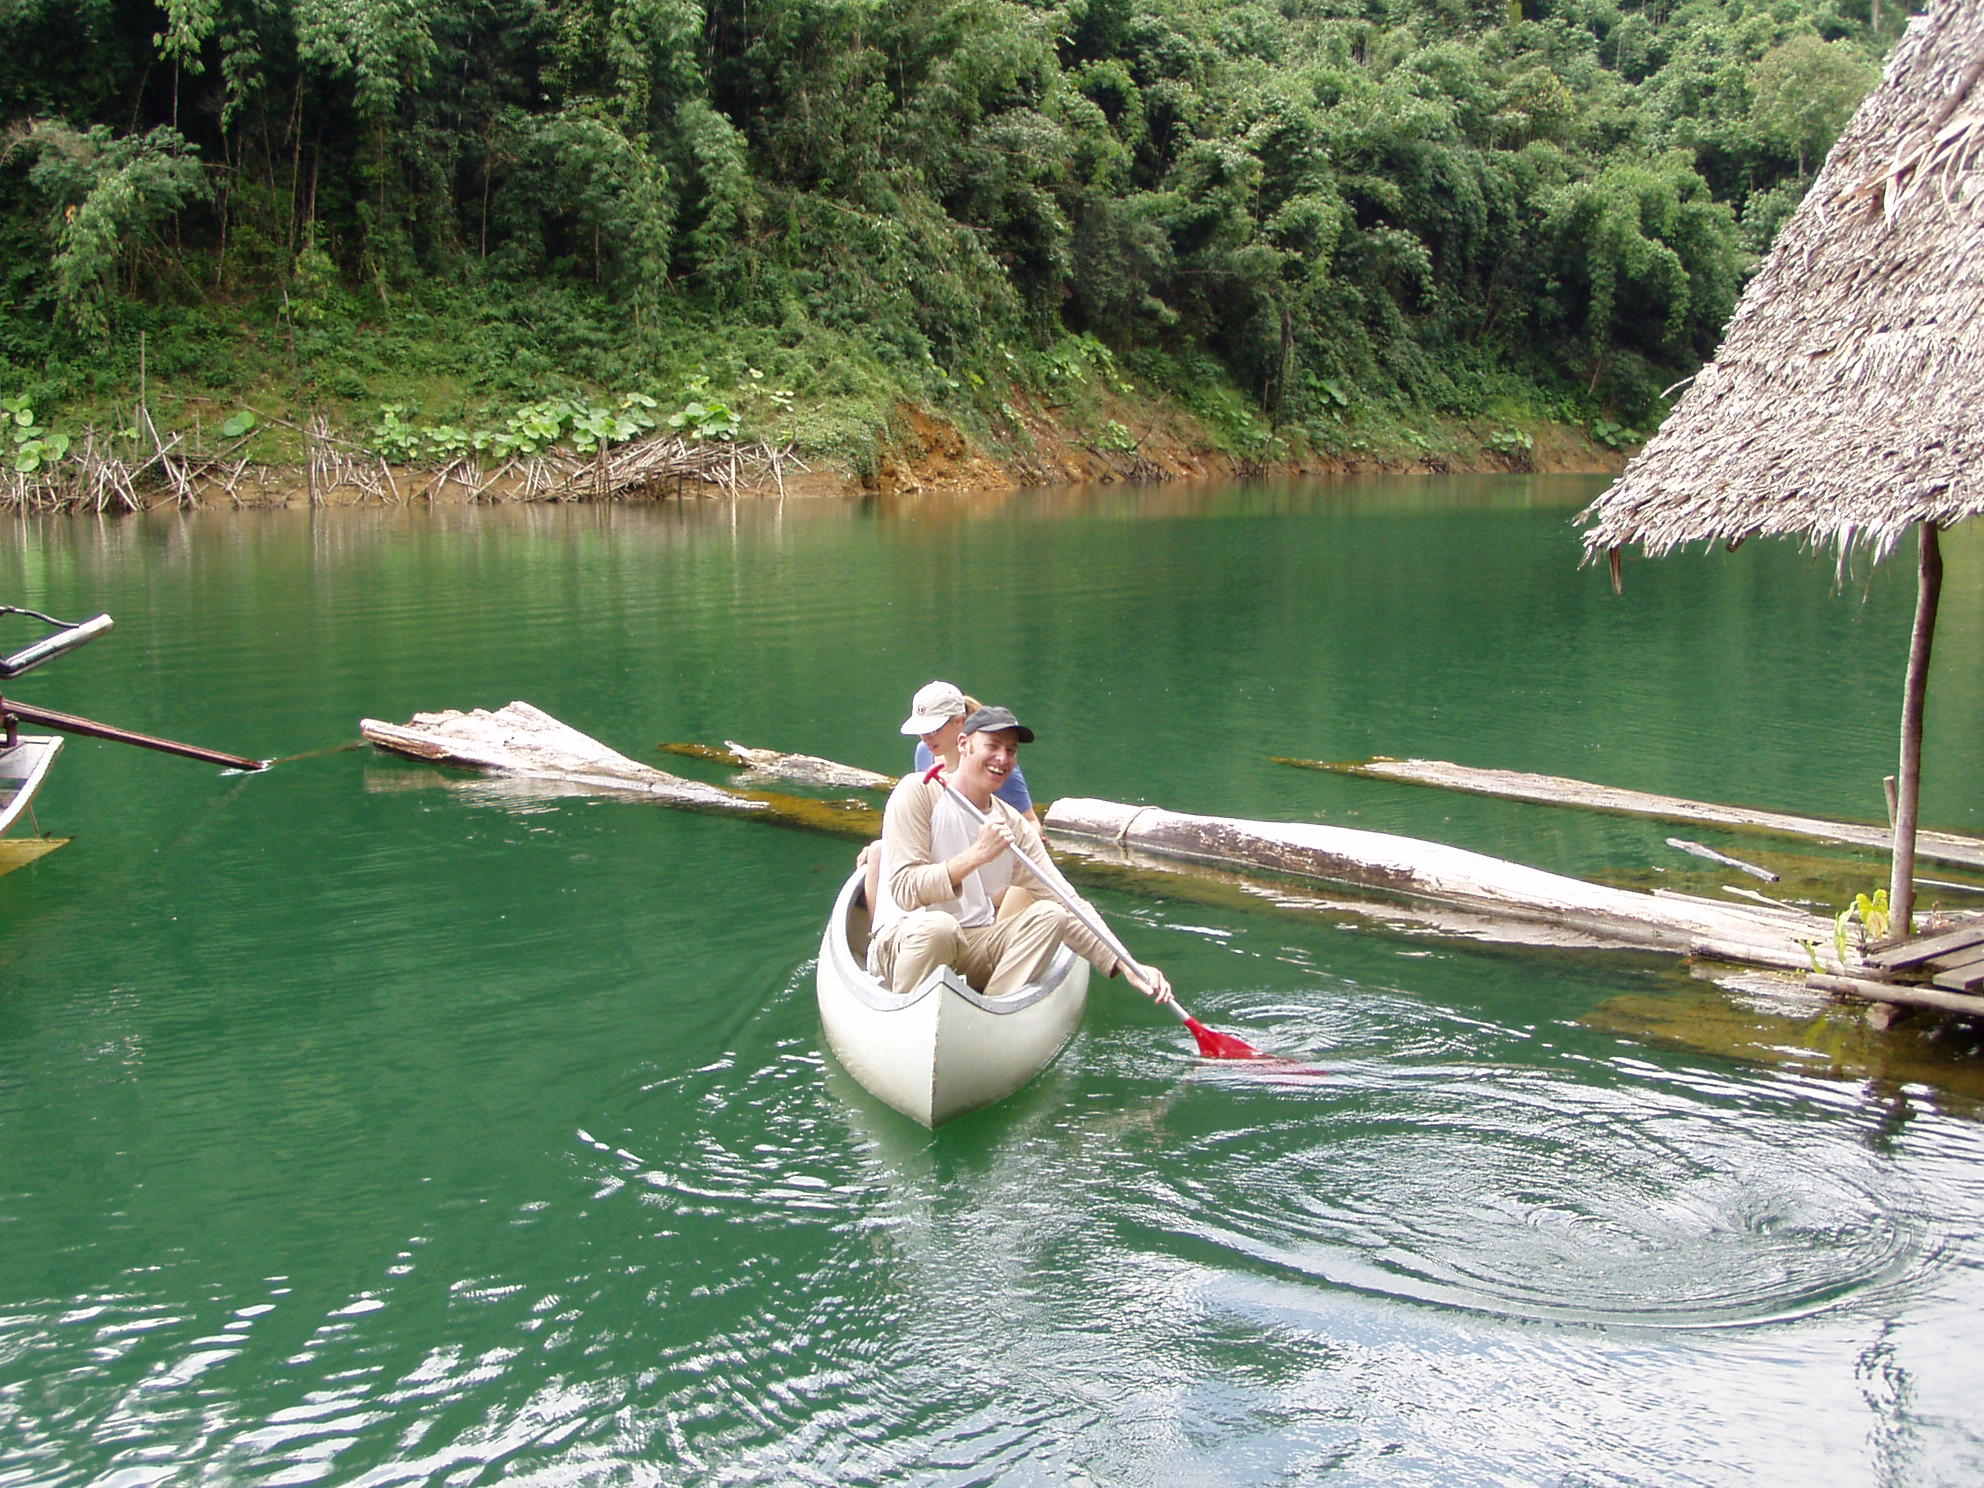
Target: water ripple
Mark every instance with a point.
(1535, 1193)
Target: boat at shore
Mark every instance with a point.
(25, 760)
(945, 1048)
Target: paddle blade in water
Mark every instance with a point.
(1214, 1045)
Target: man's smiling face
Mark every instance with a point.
(989, 756)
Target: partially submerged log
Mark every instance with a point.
(1763, 935)
(1556, 790)
(808, 769)
(522, 741)
(801, 769)
(1695, 849)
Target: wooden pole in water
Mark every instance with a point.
(1908, 787)
(69, 723)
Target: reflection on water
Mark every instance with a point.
(364, 1122)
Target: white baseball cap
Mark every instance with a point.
(935, 704)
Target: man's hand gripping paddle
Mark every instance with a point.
(1212, 1044)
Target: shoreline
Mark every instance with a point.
(927, 455)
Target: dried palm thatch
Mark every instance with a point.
(1846, 403)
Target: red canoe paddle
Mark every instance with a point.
(1212, 1043)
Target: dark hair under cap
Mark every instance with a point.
(995, 719)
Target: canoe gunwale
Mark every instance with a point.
(851, 970)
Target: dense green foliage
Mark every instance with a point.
(1292, 213)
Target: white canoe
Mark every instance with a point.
(945, 1048)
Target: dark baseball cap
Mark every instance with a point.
(996, 719)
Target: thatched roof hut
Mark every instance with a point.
(1846, 403)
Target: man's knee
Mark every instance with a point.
(920, 940)
(1043, 917)
(928, 927)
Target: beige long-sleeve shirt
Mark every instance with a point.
(922, 828)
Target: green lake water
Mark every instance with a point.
(361, 1122)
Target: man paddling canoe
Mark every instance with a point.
(936, 721)
(953, 893)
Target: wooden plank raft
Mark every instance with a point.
(1780, 936)
(1953, 958)
(1558, 790)
(1943, 971)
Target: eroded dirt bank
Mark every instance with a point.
(920, 451)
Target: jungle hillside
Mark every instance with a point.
(1314, 229)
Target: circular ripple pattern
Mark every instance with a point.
(1630, 1195)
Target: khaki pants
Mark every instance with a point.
(998, 959)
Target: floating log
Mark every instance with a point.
(806, 768)
(1781, 937)
(1768, 934)
(524, 741)
(801, 769)
(809, 769)
(1556, 790)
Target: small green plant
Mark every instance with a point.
(447, 442)
(1611, 435)
(1872, 913)
(705, 421)
(394, 437)
(1116, 438)
(593, 429)
(36, 447)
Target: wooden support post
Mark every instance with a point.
(1908, 792)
